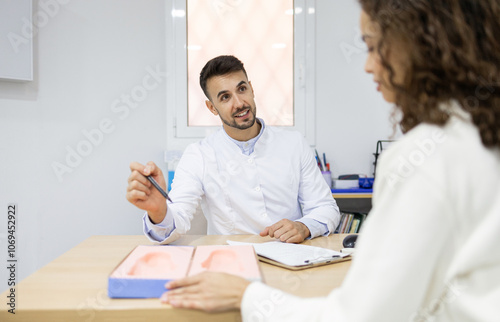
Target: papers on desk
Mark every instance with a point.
(294, 256)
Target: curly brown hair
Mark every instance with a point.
(453, 52)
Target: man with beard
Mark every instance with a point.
(250, 178)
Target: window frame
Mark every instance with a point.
(304, 66)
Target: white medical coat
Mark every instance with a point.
(242, 194)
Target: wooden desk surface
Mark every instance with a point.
(73, 287)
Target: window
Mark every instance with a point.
(269, 37)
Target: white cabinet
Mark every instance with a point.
(16, 40)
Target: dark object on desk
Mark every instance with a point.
(349, 177)
(366, 183)
(349, 241)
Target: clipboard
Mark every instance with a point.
(295, 256)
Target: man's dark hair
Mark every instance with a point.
(220, 65)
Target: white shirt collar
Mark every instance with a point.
(247, 147)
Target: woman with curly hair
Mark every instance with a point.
(429, 249)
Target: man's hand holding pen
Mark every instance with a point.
(146, 190)
(143, 194)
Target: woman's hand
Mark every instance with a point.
(208, 291)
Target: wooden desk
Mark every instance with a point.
(73, 287)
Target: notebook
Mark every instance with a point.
(294, 256)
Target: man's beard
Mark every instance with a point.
(244, 126)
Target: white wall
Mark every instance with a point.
(90, 53)
(350, 114)
(87, 54)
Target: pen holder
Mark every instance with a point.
(327, 175)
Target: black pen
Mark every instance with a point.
(157, 186)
